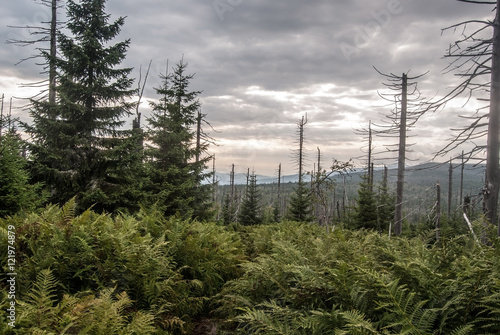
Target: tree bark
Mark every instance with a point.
(398, 216)
(53, 51)
(492, 180)
(450, 188)
(438, 212)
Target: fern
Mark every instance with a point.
(68, 211)
(37, 310)
(269, 318)
(356, 323)
(463, 330)
(107, 314)
(403, 310)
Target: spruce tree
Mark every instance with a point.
(16, 192)
(385, 204)
(228, 210)
(365, 215)
(77, 142)
(300, 206)
(176, 167)
(250, 211)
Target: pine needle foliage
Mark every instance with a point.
(16, 192)
(176, 169)
(250, 211)
(77, 142)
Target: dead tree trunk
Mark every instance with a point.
(214, 181)
(398, 216)
(231, 178)
(370, 164)
(462, 180)
(492, 180)
(198, 136)
(450, 188)
(278, 205)
(53, 53)
(302, 123)
(438, 212)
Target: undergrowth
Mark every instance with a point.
(147, 274)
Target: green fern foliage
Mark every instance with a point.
(358, 282)
(147, 274)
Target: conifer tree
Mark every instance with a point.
(16, 193)
(78, 146)
(365, 215)
(250, 211)
(300, 205)
(228, 210)
(385, 204)
(176, 167)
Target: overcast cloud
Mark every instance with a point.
(263, 64)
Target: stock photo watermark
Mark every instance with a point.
(28, 31)
(381, 19)
(11, 276)
(222, 7)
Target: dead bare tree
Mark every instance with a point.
(40, 35)
(475, 58)
(409, 107)
(367, 133)
(299, 154)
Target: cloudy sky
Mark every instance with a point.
(262, 65)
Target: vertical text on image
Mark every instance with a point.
(222, 7)
(11, 276)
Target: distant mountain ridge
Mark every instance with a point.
(427, 173)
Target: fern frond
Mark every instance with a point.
(357, 323)
(403, 310)
(463, 330)
(68, 211)
(142, 323)
(272, 320)
(37, 308)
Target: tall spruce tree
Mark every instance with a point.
(78, 146)
(176, 167)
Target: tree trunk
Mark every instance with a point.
(370, 164)
(301, 147)
(438, 212)
(53, 51)
(398, 216)
(450, 188)
(492, 179)
(279, 190)
(462, 180)
(198, 137)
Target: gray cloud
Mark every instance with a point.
(263, 64)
